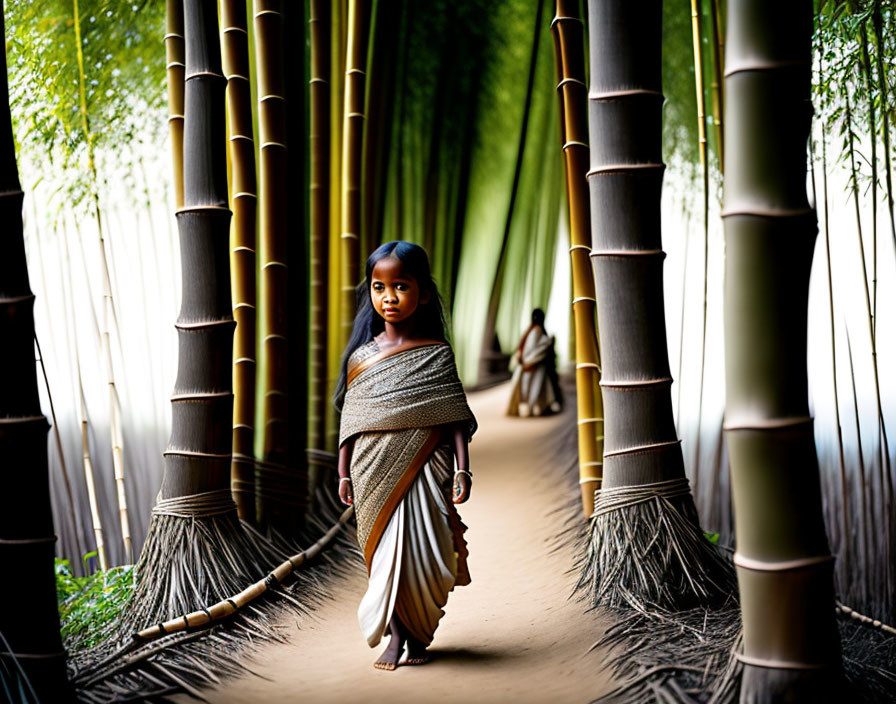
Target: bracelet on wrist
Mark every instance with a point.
(463, 471)
(344, 479)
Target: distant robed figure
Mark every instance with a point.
(535, 391)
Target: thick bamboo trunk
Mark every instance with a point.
(29, 620)
(198, 455)
(279, 494)
(573, 94)
(351, 214)
(784, 565)
(646, 543)
(196, 549)
(235, 57)
(174, 65)
(319, 191)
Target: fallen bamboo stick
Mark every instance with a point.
(229, 606)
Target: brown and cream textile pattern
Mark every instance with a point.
(391, 410)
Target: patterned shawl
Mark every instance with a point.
(394, 406)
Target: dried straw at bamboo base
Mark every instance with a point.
(168, 664)
(646, 545)
(686, 656)
(137, 649)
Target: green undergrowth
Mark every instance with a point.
(89, 605)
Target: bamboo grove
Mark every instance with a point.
(731, 375)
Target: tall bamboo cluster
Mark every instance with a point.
(29, 620)
(174, 71)
(278, 490)
(235, 59)
(572, 91)
(646, 543)
(319, 192)
(784, 565)
(351, 214)
(115, 414)
(196, 549)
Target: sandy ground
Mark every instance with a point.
(513, 635)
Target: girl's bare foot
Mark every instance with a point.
(417, 653)
(389, 659)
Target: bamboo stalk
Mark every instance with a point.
(684, 300)
(115, 414)
(351, 213)
(29, 620)
(645, 543)
(335, 298)
(883, 452)
(567, 31)
(386, 38)
(877, 23)
(718, 68)
(58, 443)
(77, 525)
(844, 495)
(872, 128)
(704, 164)
(867, 515)
(791, 645)
(278, 497)
(83, 423)
(243, 197)
(174, 71)
(319, 195)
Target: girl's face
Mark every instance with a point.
(395, 294)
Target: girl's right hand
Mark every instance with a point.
(346, 495)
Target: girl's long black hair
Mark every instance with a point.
(429, 318)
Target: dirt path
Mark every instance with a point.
(511, 636)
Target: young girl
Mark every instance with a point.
(405, 420)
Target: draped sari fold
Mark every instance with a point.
(397, 405)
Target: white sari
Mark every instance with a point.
(532, 391)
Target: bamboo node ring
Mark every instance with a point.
(756, 565)
(623, 168)
(627, 253)
(654, 447)
(636, 383)
(613, 94)
(776, 664)
(558, 19)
